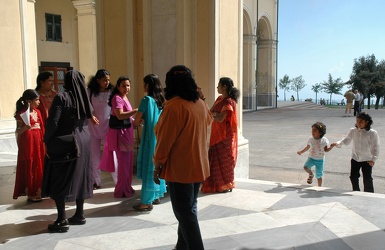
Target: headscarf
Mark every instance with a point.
(75, 86)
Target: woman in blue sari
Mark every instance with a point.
(148, 114)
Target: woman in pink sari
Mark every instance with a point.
(120, 141)
(224, 139)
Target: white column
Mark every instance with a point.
(87, 37)
(28, 38)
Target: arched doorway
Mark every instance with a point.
(266, 45)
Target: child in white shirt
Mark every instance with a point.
(318, 145)
(365, 151)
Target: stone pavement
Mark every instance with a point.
(256, 215)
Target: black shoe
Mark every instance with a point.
(77, 221)
(156, 202)
(59, 226)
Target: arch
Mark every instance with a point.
(266, 46)
(249, 62)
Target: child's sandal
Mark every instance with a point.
(310, 179)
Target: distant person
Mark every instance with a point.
(120, 140)
(317, 146)
(31, 152)
(181, 152)
(343, 102)
(44, 86)
(365, 151)
(357, 102)
(224, 139)
(99, 90)
(149, 110)
(349, 95)
(292, 98)
(71, 180)
(361, 102)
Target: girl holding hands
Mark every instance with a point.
(365, 151)
(317, 146)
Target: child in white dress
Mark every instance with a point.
(318, 145)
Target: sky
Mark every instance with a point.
(318, 37)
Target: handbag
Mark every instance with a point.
(115, 123)
(63, 148)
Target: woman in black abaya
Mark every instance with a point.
(72, 180)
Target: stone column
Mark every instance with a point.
(87, 37)
(228, 61)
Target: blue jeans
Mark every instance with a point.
(184, 204)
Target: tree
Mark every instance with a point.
(365, 77)
(297, 84)
(332, 86)
(316, 88)
(284, 84)
(380, 85)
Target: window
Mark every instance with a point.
(53, 27)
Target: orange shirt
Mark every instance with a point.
(181, 135)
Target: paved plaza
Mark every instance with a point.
(275, 136)
(274, 209)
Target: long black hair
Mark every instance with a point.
(154, 89)
(366, 117)
(232, 91)
(180, 82)
(22, 103)
(93, 85)
(116, 89)
(41, 78)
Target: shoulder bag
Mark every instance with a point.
(115, 123)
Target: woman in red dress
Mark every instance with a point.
(30, 158)
(223, 140)
(44, 85)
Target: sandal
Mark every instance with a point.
(225, 191)
(61, 226)
(143, 209)
(310, 178)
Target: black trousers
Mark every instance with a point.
(367, 175)
(356, 108)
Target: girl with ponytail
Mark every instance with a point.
(30, 158)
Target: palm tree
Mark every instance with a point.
(284, 84)
(316, 88)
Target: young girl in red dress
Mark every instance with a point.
(29, 136)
